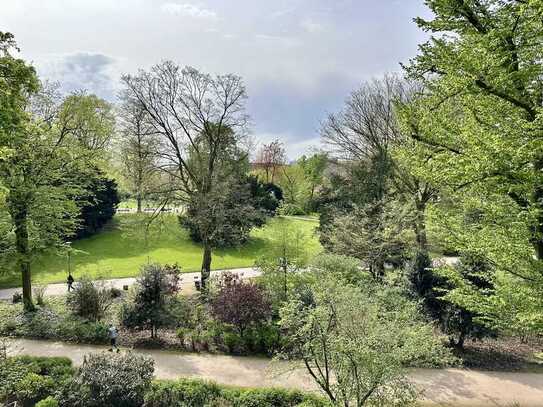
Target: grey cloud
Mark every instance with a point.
(82, 71)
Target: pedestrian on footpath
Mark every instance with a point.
(70, 282)
(113, 334)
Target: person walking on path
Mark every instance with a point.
(113, 334)
(70, 282)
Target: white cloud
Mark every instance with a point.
(188, 10)
(311, 26)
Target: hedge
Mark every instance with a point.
(199, 393)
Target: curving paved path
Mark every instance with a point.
(444, 387)
(187, 280)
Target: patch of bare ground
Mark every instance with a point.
(503, 354)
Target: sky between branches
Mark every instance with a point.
(299, 58)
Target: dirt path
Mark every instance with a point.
(444, 387)
(187, 282)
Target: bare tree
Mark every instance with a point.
(366, 130)
(367, 125)
(196, 117)
(271, 157)
(137, 147)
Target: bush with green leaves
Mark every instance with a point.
(48, 402)
(90, 299)
(364, 338)
(436, 286)
(154, 301)
(198, 393)
(119, 380)
(27, 379)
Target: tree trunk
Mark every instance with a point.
(138, 200)
(20, 215)
(537, 233)
(206, 264)
(420, 228)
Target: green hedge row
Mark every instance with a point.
(198, 393)
(39, 381)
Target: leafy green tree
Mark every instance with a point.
(227, 214)
(376, 234)
(155, 293)
(200, 121)
(45, 150)
(17, 80)
(477, 129)
(356, 343)
(281, 266)
(98, 203)
(296, 188)
(314, 167)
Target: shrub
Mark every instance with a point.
(47, 366)
(233, 342)
(39, 293)
(155, 294)
(290, 209)
(181, 334)
(28, 379)
(184, 392)
(197, 393)
(271, 397)
(89, 300)
(32, 388)
(116, 379)
(17, 297)
(76, 330)
(114, 292)
(48, 402)
(240, 303)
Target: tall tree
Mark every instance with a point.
(138, 148)
(191, 112)
(314, 167)
(44, 147)
(271, 157)
(478, 133)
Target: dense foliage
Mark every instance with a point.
(26, 380)
(476, 132)
(196, 393)
(357, 341)
(97, 205)
(241, 304)
(243, 206)
(155, 294)
(89, 299)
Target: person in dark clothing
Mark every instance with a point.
(70, 282)
(113, 334)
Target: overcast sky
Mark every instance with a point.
(299, 58)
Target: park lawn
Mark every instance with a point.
(121, 248)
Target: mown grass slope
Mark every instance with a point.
(124, 245)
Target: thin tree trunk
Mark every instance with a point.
(206, 264)
(537, 239)
(20, 219)
(420, 228)
(138, 199)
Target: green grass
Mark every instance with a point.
(121, 248)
